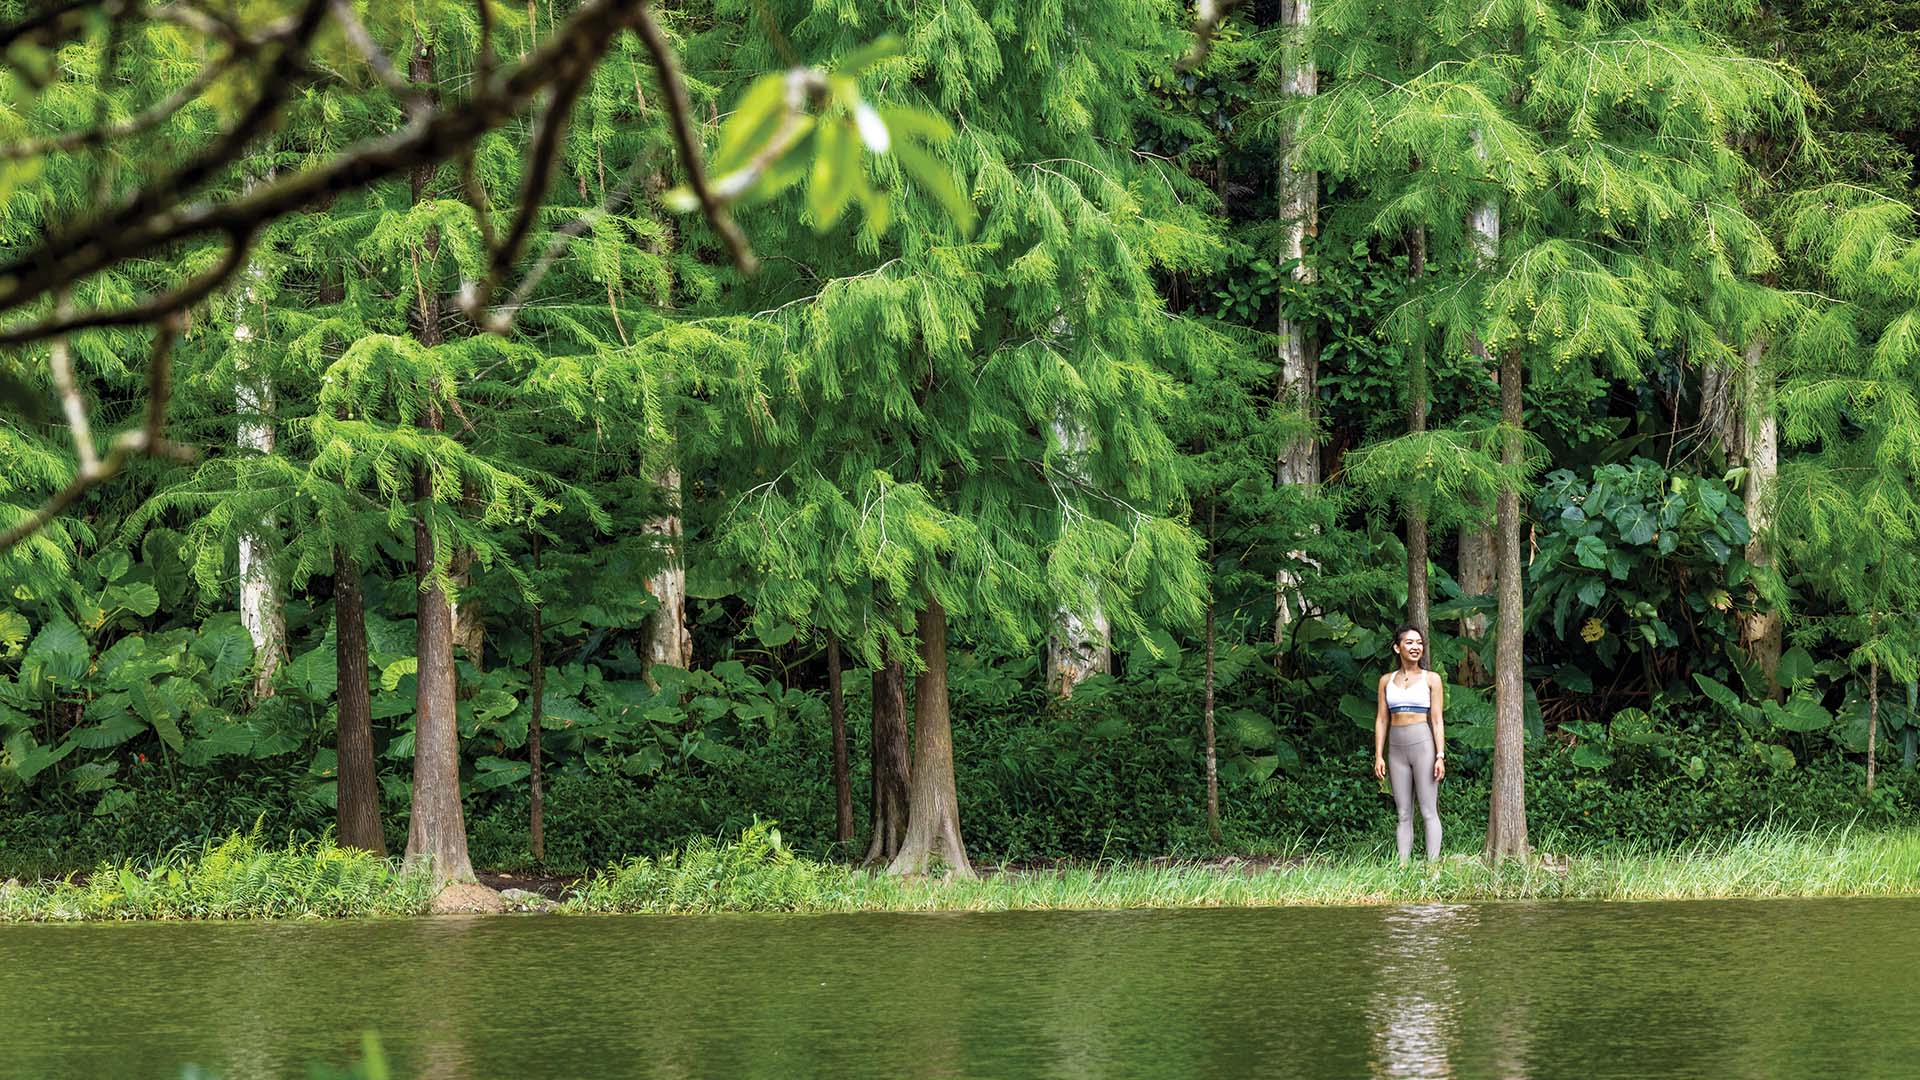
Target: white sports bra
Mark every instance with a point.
(1416, 698)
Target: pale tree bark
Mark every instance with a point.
(253, 401)
(837, 717)
(1299, 195)
(1206, 705)
(437, 825)
(469, 621)
(1507, 806)
(1873, 715)
(667, 638)
(1761, 632)
(536, 716)
(1908, 740)
(1476, 578)
(892, 763)
(933, 814)
(357, 792)
(1081, 645)
(1419, 588)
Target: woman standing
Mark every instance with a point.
(1409, 746)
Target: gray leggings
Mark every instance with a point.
(1410, 771)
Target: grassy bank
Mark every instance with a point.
(756, 873)
(240, 879)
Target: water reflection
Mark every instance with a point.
(1499, 991)
(1414, 1005)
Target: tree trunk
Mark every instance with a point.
(1082, 643)
(253, 402)
(1419, 588)
(357, 791)
(668, 641)
(437, 827)
(1908, 741)
(1206, 714)
(1476, 578)
(1079, 649)
(1299, 195)
(1761, 632)
(469, 622)
(536, 715)
(1873, 715)
(1507, 807)
(933, 814)
(892, 763)
(837, 714)
(1476, 545)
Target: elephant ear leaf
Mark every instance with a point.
(59, 651)
(228, 652)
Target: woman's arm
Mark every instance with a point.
(1380, 729)
(1438, 718)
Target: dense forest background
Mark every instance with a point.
(1111, 405)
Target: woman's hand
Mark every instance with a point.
(1439, 769)
(1379, 768)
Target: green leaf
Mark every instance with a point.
(1635, 524)
(141, 598)
(939, 182)
(112, 565)
(1250, 729)
(493, 772)
(1636, 726)
(228, 651)
(1362, 712)
(1720, 695)
(108, 733)
(917, 124)
(1796, 667)
(399, 669)
(836, 171)
(884, 47)
(14, 629)
(1592, 590)
(755, 118)
(1592, 553)
(59, 651)
(1695, 767)
(1801, 713)
(1590, 756)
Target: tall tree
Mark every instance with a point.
(1299, 211)
(437, 825)
(926, 476)
(1608, 146)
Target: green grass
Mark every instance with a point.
(237, 878)
(756, 873)
(240, 879)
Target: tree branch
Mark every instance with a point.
(680, 115)
(154, 219)
(149, 439)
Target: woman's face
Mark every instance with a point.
(1412, 646)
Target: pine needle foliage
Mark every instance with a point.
(979, 419)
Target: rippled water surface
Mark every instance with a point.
(1776, 989)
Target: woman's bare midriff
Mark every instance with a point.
(1402, 719)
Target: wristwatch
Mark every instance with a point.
(1441, 756)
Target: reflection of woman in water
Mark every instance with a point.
(1409, 746)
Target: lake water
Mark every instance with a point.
(1775, 989)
